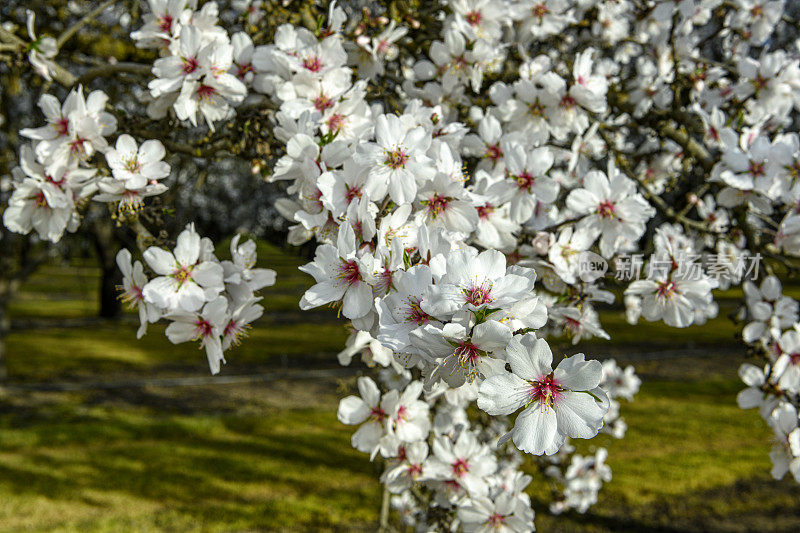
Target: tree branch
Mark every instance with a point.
(114, 68)
(72, 30)
(384, 520)
(58, 73)
(661, 204)
(662, 126)
(143, 236)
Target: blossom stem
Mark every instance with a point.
(385, 508)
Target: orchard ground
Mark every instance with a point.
(95, 437)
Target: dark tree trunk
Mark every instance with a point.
(110, 306)
(106, 248)
(5, 326)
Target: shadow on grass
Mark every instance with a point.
(758, 504)
(126, 463)
(266, 472)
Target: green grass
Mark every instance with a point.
(241, 458)
(716, 330)
(73, 468)
(681, 424)
(71, 290)
(272, 456)
(691, 460)
(107, 350)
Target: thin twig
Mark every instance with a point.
(58, 73)
(384, 521)
(72, 30)
(114, 68)
(624, 165)
(143, 236)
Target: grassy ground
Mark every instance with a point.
(271, 456)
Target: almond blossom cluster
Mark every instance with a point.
(55, 173)
(203, 299)
(579, 478)
(456, 193)
(774, 388)
(59, 171)
(196, 73)
(397, 219)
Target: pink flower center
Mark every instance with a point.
(667, 289)
(474, 18)
(414, 312)
(402, 413)
(62, 126)
(525, 181)
(57, 183)
(182, 275)
(540, 10)
(485, 211)
(567, 102)
(349, 272)
(414, 470)
(756, 169)
(385, 280)
(572, 325)
(231, 328)
(77, 145)
(496, 520)
(316, 198)
(396, 158)
(205, 91)
(165, 23)
(203, 329)
(468, 357)
(352, 193)
(236, 331)
(242, 70)
(190, 64)
(313, 63)
(606, 209)
(794, 357)
(460, 467)
(335, 122)
(132, 296)
(377, 414)
(322, 102)
(493, 152)
(437, 205)
(547, 391)
(478, 295)
(41, 201)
